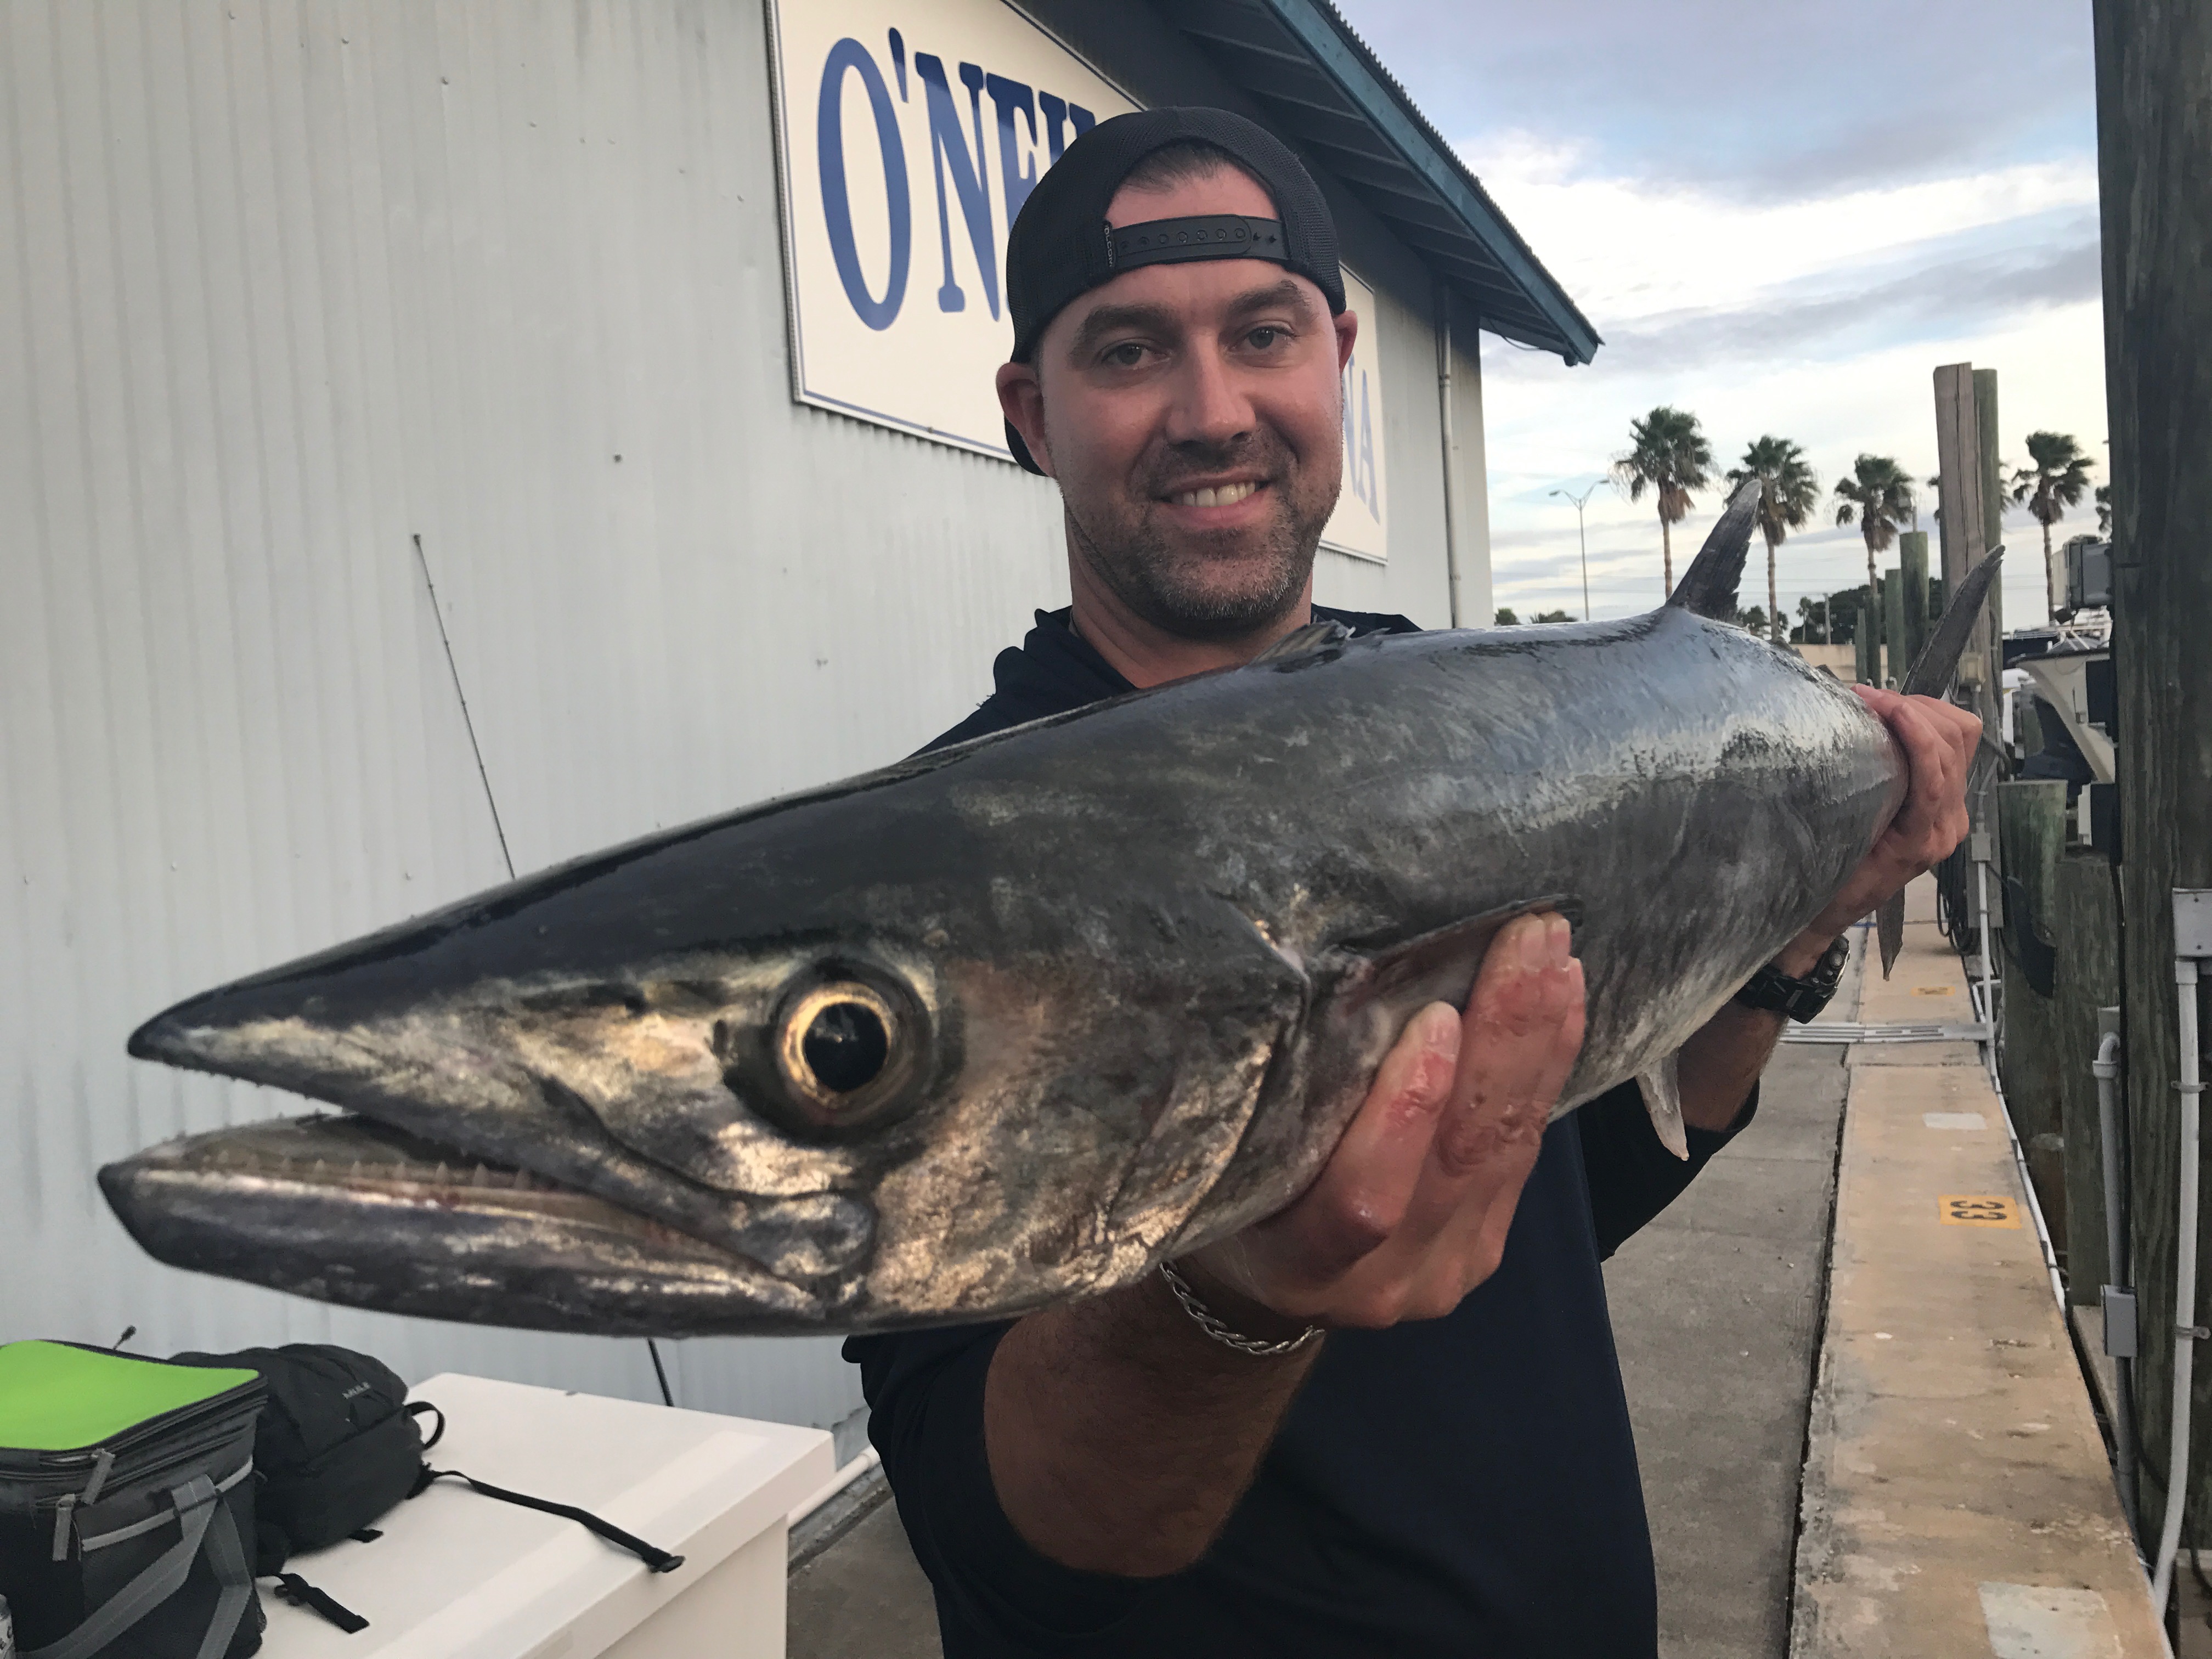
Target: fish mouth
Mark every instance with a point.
(347, 1210)
(405, 1206)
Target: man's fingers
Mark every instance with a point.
(1510, 1064)
(1364, 1190)
(1935, 782)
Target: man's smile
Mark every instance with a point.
(1226, 495)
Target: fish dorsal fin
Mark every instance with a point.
(1311, 640)
(1708, 586)
(1931, 671)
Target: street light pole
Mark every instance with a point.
(1580, 501)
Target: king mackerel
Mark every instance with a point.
(1017, 1020)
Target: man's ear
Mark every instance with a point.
(1347, 333)
(1022, 398)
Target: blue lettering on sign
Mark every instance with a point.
(1026, 119)
(1372, 496)
(971, 178)
(1359, 440)
(1058, 115)
(1016, 181)
(836, 204)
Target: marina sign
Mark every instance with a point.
(909, 136)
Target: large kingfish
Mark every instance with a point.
(1012, 1022)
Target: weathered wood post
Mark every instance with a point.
(1993, 506)
(1913, 565)
(2085, 923)
(1897, 627)
(1959, 452)
(2154, 155)
(1866, 640)
(2031, 825)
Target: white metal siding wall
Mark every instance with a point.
(282, 287)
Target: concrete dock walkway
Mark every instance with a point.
(1716, 1314)
(1957, 1497)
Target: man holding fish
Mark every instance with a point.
(1388, 1418)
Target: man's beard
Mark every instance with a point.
(1164, 581)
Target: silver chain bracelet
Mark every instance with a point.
(1210, 1322)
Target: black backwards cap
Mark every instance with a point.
(1061, 246)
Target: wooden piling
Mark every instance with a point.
(1893, 625)
(1993, 503)
(1959, 458)
(2085, 925)
(2032, 826)
(1913, 566)
(2154, 154)
(1866, 639)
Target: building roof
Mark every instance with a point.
(1327, 90)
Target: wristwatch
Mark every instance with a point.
(1800, 998)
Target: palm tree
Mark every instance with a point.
(1667, 454)
(1789, 489)
(2104, 509)
(2058, 480)
(1878, 497)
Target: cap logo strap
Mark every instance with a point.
(1209, 236)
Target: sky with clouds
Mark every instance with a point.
(1782, 216)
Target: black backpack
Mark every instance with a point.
(338, 1447)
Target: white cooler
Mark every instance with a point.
(461, 1576)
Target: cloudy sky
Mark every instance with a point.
(1781, 215)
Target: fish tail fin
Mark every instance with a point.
(1708, 586)
(1889, 929)
(1930, 673)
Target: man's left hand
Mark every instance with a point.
(1939, 739)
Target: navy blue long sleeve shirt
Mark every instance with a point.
(1464, 1485)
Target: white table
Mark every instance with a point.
(461, 1576)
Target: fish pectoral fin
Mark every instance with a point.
(1663, 1098)
(1311, 640)
(1376, 989)
(1440, 965)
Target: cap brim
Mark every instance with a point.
(1022, 452)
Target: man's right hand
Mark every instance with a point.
(1119, 1435)
(1411, 1211)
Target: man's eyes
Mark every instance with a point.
(1266, 339)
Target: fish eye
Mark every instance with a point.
(837, 1039)
(849, 1047)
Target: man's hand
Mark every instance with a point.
(1938, 739)
(1119, 1435)
(1411, 1211)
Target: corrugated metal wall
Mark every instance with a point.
(284, 288)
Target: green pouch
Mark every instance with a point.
(126, 1505)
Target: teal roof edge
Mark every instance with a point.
(1348, 61)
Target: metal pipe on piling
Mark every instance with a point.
(2186, 1331)
(2107, 1069)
